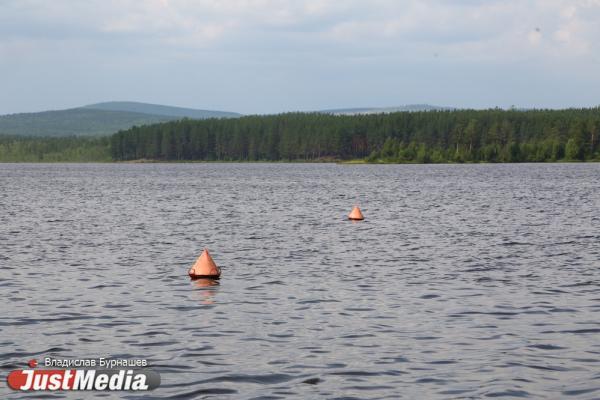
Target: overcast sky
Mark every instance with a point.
(266, 56)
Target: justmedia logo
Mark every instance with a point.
(83, 379)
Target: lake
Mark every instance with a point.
(464, 281)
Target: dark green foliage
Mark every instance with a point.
(77, 149)
(433, 136)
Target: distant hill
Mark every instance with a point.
(379, 110)
(97, 119)
(157, 109)
(110, 117)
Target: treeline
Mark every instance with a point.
(425, 137)
(51, 149)
(434, 136)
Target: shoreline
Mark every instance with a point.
(322, 161)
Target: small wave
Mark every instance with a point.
(199, 392)
(508, 393)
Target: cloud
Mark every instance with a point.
(209, 22)
(337, 46)
(534, 37)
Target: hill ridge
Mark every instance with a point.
(98, 119)
(160, 109)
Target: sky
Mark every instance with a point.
(269, 56)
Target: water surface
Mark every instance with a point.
(464, 281)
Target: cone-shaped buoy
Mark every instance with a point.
(355, 214)
(205, 267)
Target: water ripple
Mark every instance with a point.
(464, 281)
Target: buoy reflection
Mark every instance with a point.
(205, 282)
(207, 289)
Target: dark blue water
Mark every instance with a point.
(464, 281)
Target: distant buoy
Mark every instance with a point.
(355, 214)
(205, 267)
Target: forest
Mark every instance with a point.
(493, 135)
(454, 136)
(54, 149)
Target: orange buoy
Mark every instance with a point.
(355, 214)
(205, 267)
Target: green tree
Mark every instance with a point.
(573, 150)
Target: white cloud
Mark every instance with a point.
(534, 37)
(428, 40)
(570, 23)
